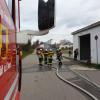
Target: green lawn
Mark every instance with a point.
(65, 51)
(26, 53)
(97, 66)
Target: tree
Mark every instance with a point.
(36, 44)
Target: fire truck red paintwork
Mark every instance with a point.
(8, 69)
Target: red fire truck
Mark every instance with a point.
(9, 24)
(10, 58)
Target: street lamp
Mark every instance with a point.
(96, 38)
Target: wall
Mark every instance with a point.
(22, 38)
(93, 32)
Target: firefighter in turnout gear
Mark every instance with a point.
(50, 55)
(59, 57)
(45, 56)
(40, 56)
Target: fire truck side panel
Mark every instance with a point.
(8, 71)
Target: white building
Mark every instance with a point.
(88, 46)
(66, 45)
(22, 38)
(25, 35)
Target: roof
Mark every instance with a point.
(35, 33)
(86, 28)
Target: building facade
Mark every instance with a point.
(87, 41)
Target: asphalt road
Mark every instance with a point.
(43, 84)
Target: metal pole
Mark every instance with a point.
(96, 38)
(97, 50)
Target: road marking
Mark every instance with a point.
(8, 96)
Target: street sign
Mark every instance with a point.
(96, 37)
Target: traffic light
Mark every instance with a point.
(46, 14)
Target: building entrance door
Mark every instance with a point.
(85, 52)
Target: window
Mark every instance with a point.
(9, 4)
(6, 2)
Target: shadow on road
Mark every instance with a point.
(35, 68)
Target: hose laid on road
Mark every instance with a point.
(74, 85)
(80, 75)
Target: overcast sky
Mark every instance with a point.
(70, 16)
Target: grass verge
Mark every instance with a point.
(89, 65)
(96, 66)
(26, 53)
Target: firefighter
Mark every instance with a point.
(40, 56)
(59, 54)
(59, 57)
(75, 54)
(45, 56)
(50, 57)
